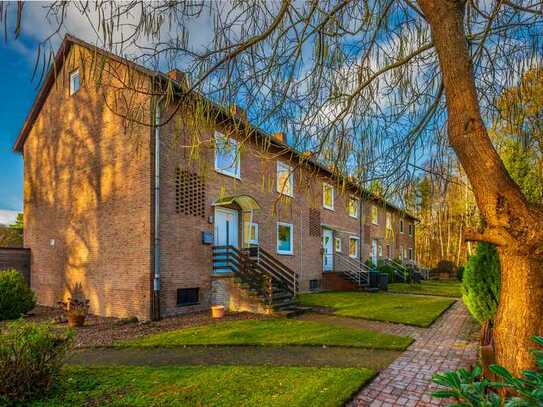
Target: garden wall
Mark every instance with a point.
(16, 258)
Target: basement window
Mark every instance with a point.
(188, 296)
(314, 285)
(75, 82)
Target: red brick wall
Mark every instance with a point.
(87, 194)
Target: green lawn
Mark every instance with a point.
(206, 386)
(276, 332)
(429, 287)
(400, 308)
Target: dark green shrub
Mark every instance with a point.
(16, 298)
(460, 273)
(481, 282)
(471, 389)
(31, 356)
(383, 267)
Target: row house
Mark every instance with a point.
(151, 221)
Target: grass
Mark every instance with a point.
(274, 332)
(429, 287)
(206, 386)
(400, 308)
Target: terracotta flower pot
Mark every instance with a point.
(217, 311)
(76, 320)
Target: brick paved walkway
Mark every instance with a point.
(447, 345)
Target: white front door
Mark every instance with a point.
(226, 227)
(328, 246)
(374, 252)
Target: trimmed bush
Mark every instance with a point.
(16, 298)
(481, 282)
(31, 356)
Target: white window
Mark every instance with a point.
(353, 246)
(285, 238)
(226, 155)
(75, 81)
(380, 250)
(251, 233)
(328, 196)
(410, 229)
(401, 225)
(353, 206)
(388, 221)
(410, 251)
(374, 215)
(285, 179)
(337, 241)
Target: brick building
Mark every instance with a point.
(128, 214)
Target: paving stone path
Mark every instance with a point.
(448, 344)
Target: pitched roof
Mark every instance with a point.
(60, 58)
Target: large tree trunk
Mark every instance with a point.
(520, 311)
(511, 223)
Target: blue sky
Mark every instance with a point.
(18, 91)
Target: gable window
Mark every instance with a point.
(353, 206)
(226, 155)
(410, 229)
(353, 246)
(188, 296)
(328, 196)
(75, 81)
(285, 179)
(251, 233)
(285, 238)
(374, 215)
(337, 241)
(401, 225)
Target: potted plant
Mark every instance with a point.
(217, 311)
(76, 311)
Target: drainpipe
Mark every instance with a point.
(156, 277)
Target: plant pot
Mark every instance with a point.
(76, 320)
(217, 311)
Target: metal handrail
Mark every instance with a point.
(352, 268)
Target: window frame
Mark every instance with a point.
(401, 253)
(376, 209)
(357, 246)
(256, 240)
(284, 252)
(380, 249)
(233, 142)
(410, 253)
(357, 206)
(324, 205)
(401, 226)
(75, 72)
(410, 229)
(289, 191)
(336, 241)
(187, 304)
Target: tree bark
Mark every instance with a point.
(511, 222)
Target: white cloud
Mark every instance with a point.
(7, 217)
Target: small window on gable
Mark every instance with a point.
(188, 296)
(353, 247)
(353, 205)
(285, 179)
(227, 160)
(401, 225)
(328, 196)
(337, 241)
(374, 215)
(75, 82)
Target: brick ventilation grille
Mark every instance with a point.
(314, 222)
(190, 193)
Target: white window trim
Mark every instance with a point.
(331, 207)
(355, 256)
(72, 74)
(357, 200)
(249, 240)
(287, 189)
(380, 250)
(229, 140)
(401, 253)
(401, 226)
(376, 222)
(285, 252)
(336, 247)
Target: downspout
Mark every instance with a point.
(156, 246)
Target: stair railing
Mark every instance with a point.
(352, 268)
(398, 268)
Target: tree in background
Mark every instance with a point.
(481, 283)
(12, 235)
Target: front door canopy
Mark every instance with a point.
(245, 202)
